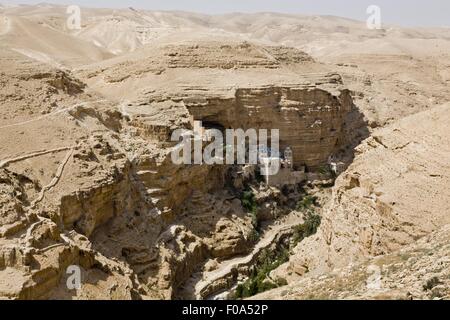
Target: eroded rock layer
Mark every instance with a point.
(392, 195)
(87, 182)
(99, 190)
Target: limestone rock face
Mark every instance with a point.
(393, 194)
(310, 119)
(417, 271)
(87, 180)
(12, 200)
(229, 55)
(99, 188)
(260, 87)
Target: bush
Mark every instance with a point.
(307, 203)
(254, 236)
(326, 170)
(307, 229)
(249, 203)
(257, 281)
(431, 283)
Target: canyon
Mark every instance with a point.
(87, 180)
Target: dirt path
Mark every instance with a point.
(50, 114)
(202, 286)
(55, 180)
(6, 162)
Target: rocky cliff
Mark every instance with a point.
(393, 194)
(86, 178)
(99, 190)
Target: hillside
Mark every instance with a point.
(87, 178)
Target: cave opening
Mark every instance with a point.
(213, 125)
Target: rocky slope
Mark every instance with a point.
(98, 189)
(391, 195)
(86, 177)
(417, 271)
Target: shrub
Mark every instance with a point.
(249, 203)
(307, 203)
(326, 170)
(257, 283)
(254, 236)
(431, 283)
(307, 229)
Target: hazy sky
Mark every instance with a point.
(402, 12)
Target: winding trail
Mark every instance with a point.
(55, 180)
(50, 114)
(28, 240)
(6, 162)
(202, 286)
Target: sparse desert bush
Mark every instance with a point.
(431, 283)
(258, 281)
(307, 229)
(326, 170)
(249, 203)
(308, 202)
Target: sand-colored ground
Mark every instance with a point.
(85, 176)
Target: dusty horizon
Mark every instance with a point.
(414, 13)
(95, 103)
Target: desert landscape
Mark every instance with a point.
(360, 211)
